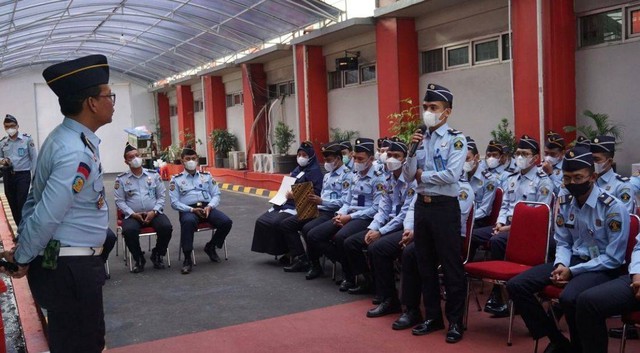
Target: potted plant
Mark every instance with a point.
(223, 142)
(171, 154)
(338, 134)
(505, 136)
(405, 123)
(603, 126)
(284, 137)
(191, 141)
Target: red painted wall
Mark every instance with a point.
(316, 94)
(215, 107)
(165, 122)
(254, 89)
(186, 123)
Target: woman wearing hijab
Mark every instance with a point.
(266, 235)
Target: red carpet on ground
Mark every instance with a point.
(344, 328)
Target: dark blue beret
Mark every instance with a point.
(528, 143)
(554, 140)
(10, 119)
(128, 148)
(334, 147)
(577, 158)
(69, 77)
(606, 144)
(584, 142)
(346, 145)
(396, 145)
(494, 146)
(437, 93)
(471, 145)
(364, 144)
(307, 147)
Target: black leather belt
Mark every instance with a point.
(199, 204)
(20, 172)
(436, 198)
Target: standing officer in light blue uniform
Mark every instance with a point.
(357, 212)
(603, 149)
(385, 230)
(483, 182)
(139, 195)
(592, 229)
(553, 156)
(195, 195)
(335, 185)
(18, 157)
(65, 217)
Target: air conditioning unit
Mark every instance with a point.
(237, 160)
(268, 163)
(257, 162)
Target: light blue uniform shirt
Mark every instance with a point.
(364, 195)
(409, 219)
(532, 186)
(597, 232)
(66, 201)
(186, 189)
(21, 151)
(556, 176)
(484, 185)
(335, 187)
(466, 199)
(634, 266)
(619, 187)
(143, 193)
(440, 157)
(394, 205)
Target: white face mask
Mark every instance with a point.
(468, 166)
(431, 119)
(522, 162)
(393, 164)
(11, 132)
(136, 162)
(599, 167)
(552, 160)
(358, 167)
(303, 161)
(190, 165)
(383, 157)
(329, 167)
(492, 162)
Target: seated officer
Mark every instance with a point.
(334, 190)
(483, 183)
(195, 195)
(528, 184)
(139, 195)
(553, 155)
(383, 235)
(347, 154)
(357, 212)
(603, 149)
(591, 233)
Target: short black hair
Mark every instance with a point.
(187, 151)
(72, 105)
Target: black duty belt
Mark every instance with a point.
(436, 198)
(199, 204)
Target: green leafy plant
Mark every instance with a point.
(603, 126)
(284, 137)
(504, 136)
(223, 141)
(338, 134)
(190, 139)
(157, 131)
(171, 153)
(405, 123)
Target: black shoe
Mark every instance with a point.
(428, 326)
(315, 272)
(494, 301)
(285, 260)
(297, 266)
(157, 260)
(210, 250)
(363, 288)
(377, 299)
(632, 333)
(139, 265)
(558, 348)
(187, 266)
(388, 306)
(346, 285)
(498, 311)
(454, 335)
(408, 319)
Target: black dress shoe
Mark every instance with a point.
(139, 265)
(297, 266)
(346, 285)
(210, 250)
(428, 326)
(377, 299)
(187, 266)
(454, 335)
(616, 332)
(363, 288)
(388, 306)
(558, 348)
(285, 260)
(315, 272)
(408, 319)
(498, 311)
(495, 299)
(157, 260)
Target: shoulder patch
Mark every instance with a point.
(78, 184)
(411, 192)
(490, 186)
(122, 174)
(463, 195)
(487, 174)
(380, 186)
(542, 174)
(565, 199)
(116, 185)
(172, 185)
(560, 220)
(615, 225)
(606, 199)
(345, 184)
(544, 191)
(625, 196)
(458, 144)
(454, 132)
(623, 178)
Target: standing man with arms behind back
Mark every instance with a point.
(18, 159)
(66, 216)
(436, 167)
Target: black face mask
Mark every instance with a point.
(578, 190)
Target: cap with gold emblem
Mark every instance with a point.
(554, 140)
(577, 158)
(603, 144)
(529, 143)
(494, 146)
(70, 77)
(364, 144)
(437, 93)
(334, 147)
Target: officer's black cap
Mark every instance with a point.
(493, 146)
(584, 142)
(554, 140)
(398, 146)
(346, 145)
(471, 145)
(577, 158)
(364, 144)
(437, 93)
(603, 144)
(334, 147)
(128, 148)
(528, 143)
(188, 151)
(8, 119)
(69, 77)
(307, 147)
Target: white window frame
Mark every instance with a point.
(344, 78)
(501, 36)
(361, 76)
(448, 48)
(423, 53)
(595, 12)
(497, 39)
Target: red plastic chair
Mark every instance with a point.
(527, 247)
(466, 243)
(495, 206)
(144, 232)
(203, 227)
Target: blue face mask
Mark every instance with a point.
(346, 159)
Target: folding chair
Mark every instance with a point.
(495, 206)
(147, 231)
(527, 247)
(202, 227)
(466, 243)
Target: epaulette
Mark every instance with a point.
(487, 174)
(378, 172)
(623, 178)
(509, 169)
(606, 199)
(26, 135)
(454, 132)
(204, 172)
(564, 199)
(542, 174)
(151, 170)
(512, 174)
(346, 170)
(122, 174)
(4, 138)
(177, 175)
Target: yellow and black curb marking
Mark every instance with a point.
(248, 190)
(7, 211)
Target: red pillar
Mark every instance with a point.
(163, 119)
(397, 67)
(215, 107)
(185, 111)
(312, 95)
(254, 88)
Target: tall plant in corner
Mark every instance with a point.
(504, 135)
(405, 122)
(603, 126)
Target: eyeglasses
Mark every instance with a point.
(111, 96)
(576, 179)
(523, 154)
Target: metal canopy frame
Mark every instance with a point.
(148, 40)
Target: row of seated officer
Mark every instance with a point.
(140, 197)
